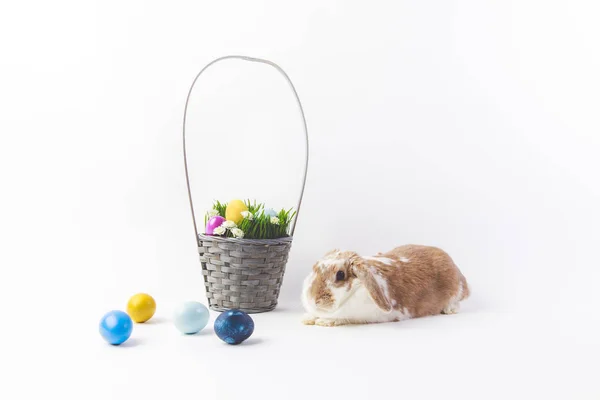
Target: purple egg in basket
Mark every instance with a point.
(213, 223)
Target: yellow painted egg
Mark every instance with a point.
(141, 307)
(234, 210)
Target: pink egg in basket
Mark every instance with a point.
(213, 223)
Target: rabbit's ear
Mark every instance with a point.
(375, 283)
(332, 253)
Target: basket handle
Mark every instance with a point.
(287, 78)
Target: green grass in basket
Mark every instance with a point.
(220, 207)
(260, 227)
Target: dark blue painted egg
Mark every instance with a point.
(234, 326)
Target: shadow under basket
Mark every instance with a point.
(243, 274)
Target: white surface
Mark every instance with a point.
(472, 126)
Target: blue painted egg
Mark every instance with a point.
(234, 326)
(191, 317)
(270, 212)
(116, 327)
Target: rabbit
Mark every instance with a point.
(409, 281)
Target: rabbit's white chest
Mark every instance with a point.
(360, 307)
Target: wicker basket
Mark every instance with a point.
(244, 274)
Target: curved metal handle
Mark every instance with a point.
(287, 78)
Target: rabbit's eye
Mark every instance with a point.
(339, 276)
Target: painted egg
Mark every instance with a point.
(115, 327)
(141, 307)
(234, 326)
(234, 209)
(191, 317)
(214, 222)
(270, 212)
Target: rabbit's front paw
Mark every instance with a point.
(308, 319)
(329, 322)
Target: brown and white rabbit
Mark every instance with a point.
(408, 282)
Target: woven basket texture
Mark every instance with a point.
(243, 274)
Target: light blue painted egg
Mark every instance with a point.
(191, 317)
(270, 212)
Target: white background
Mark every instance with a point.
(468, 125)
